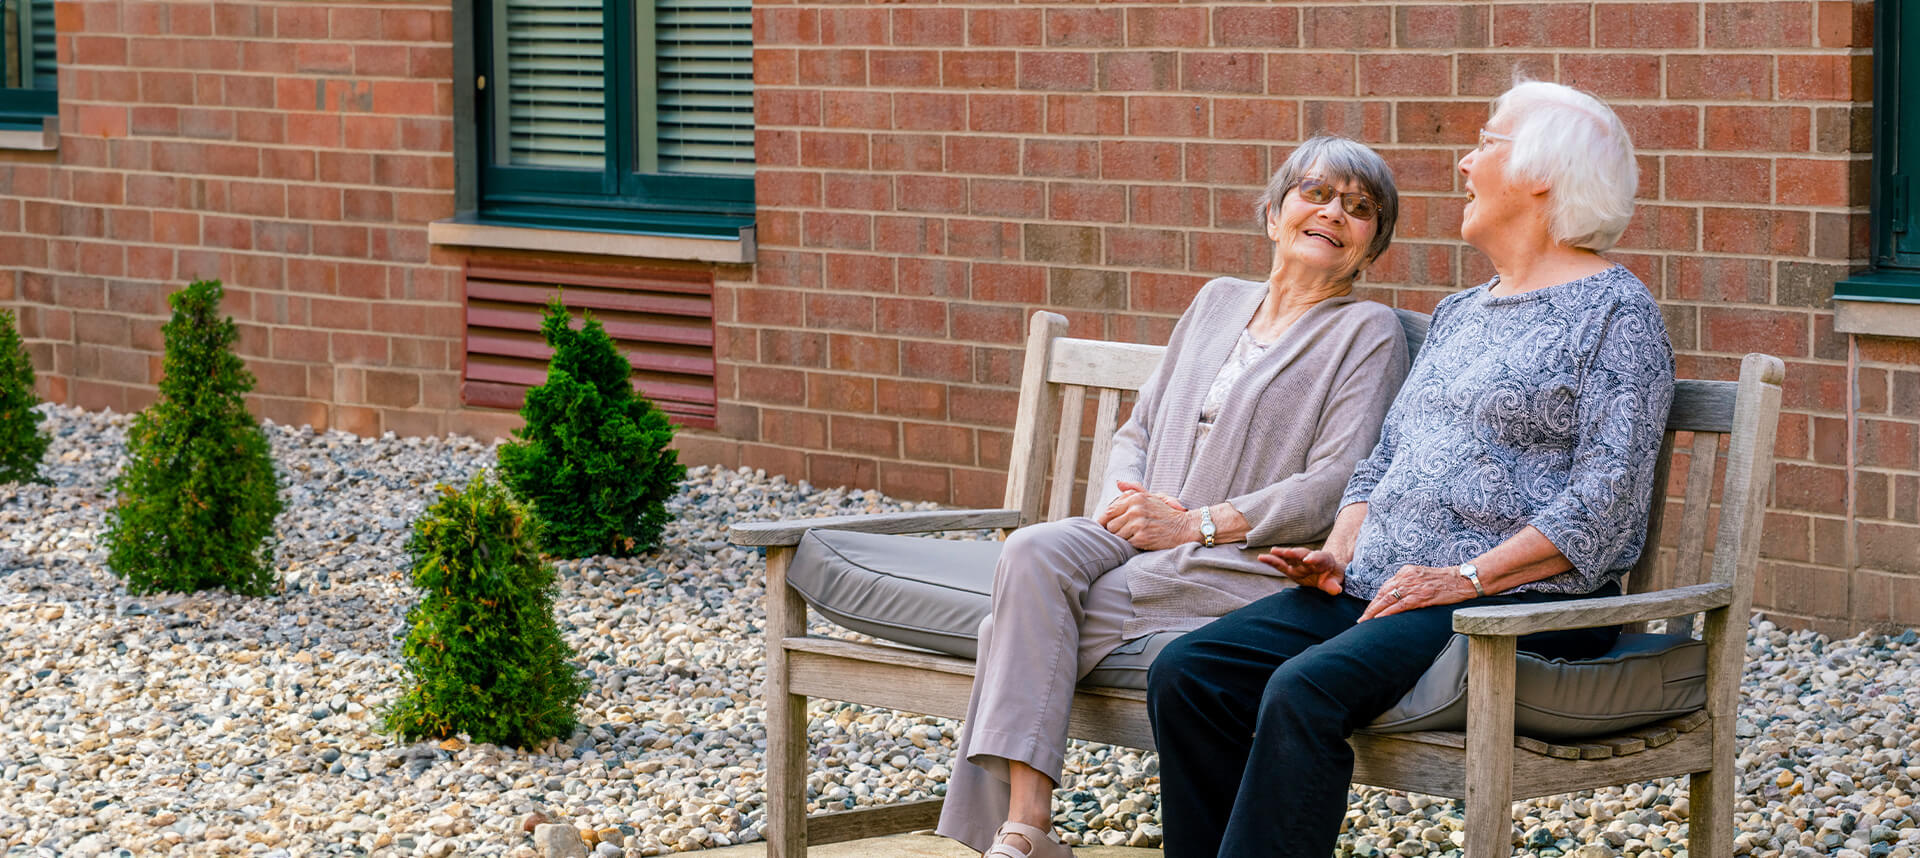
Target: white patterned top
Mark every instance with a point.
(1544, 408)
(1246, 352)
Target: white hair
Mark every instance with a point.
(1579, 148)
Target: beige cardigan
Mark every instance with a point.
(1280, 451)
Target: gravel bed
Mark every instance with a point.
(213, 724)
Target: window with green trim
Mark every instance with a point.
(27, 71)
(1893, 273)
(617, 115)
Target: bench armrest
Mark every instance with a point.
(1515, 620)
(925, 521)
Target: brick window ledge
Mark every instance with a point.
(468, 232)
(23, 136)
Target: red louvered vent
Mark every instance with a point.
(662, 319)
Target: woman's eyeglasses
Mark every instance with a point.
(1354, 203)
(1488, 138)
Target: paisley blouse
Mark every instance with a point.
(1544, 408)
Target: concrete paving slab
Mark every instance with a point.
(907, 846)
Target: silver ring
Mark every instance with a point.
(1396, 594)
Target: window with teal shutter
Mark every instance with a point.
(618, 115)
(1894, 267)
(27, 71)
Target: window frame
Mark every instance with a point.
(26, 108)
(1892, 274)
(625, 197)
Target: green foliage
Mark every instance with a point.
(198, 495)
(21, 443)
(592, 459)
(484, 653)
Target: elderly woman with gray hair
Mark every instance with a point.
(1515, 466)
(1243, 436)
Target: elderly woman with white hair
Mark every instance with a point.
(1515, 466)
(1268, 394)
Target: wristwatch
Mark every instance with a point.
(1472, 574)
(1206, 526)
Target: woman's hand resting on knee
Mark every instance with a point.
(1147, 520)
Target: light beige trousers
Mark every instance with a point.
(1056, 614)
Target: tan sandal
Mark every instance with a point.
(1040, 844)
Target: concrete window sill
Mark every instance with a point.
(44, 139)
(1876, 318)
(465, 233)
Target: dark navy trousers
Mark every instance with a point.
(1252, 713)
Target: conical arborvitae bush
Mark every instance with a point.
(592, 459)
(21, 442)
(198, 495)
(482, 648)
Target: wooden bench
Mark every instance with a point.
(1487, 765)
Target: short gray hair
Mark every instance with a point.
(1337, 159)
(1579, 148)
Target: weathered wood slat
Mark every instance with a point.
(876, 821)
(788, 532)
(1106, 420)
(1586, 613)
(1027, 461)
(1093, 363)
(1702, 406)
(1690, 554)
(1624, 745)
(1066, 452)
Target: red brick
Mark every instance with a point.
(831, 149)
(913, 318)
(793, 348)
(982, 239)
(1020, 113)
(843, 393)
(929, 26)
(1347, 26)
(1264, 119)
(775, 67)
(1457, 25)
(1542, 25)
(1645, 26)
(772, 386)
(1820, 182)
(1737, 331)
(381, 60)
(848, 190)
(1756, 231)
(1085, 27)
(937, 361)
(1759, 25)
(1662, 228)
(1008, 284)
(833, 108)
(937, 278)
(1844, 24)
(1142, 161)
(1443, 122)
(840, 312)
(1061, 158)
(997, 155)
(1613, 75)
(1758, 129)
(932, 193)
(1152, 248)
(1078, 201)
(1661, 126)
(1167, 26)
(1170, 205)
(1718, 280)
(1167, 116)
(837, 67)
(853, 26)
(926, 442)
(1721, 179)
(1324, 75)
(1737, 76)
(1147, 71)
(1810, 489)
(1232, 72)
(989, 69)
(864, 435)
(906, 236)
(1360, 120)
(1405, 74)
(1086, 114)
(1006, 198)
(1492, 74)
(1005, 27)
(916, 68)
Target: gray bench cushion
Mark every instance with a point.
(933, 593)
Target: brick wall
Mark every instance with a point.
(931, 173)
(295, 151)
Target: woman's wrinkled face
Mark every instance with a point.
(1322, 237)
(1492, 198)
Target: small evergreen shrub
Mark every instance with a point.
(21, 442)
(482, 648)
(592, 459)
(198, 495)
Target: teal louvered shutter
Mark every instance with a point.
(554, 93)
(42, 42)
(703, 69)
